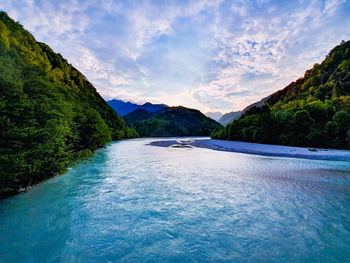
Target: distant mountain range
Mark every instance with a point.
(229, 117)
(225, 119)
(123, 108)
(173, 121)
(214, 115)
(160, 120)
(235, 115)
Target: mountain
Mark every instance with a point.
(235, 115)
(313, 111)
(123, 108)
(138, 115)
(229, 117)
(50, 114)
(153, 107)
(160, 120)
(173, 121)
(214, 115)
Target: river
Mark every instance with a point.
(134, 202)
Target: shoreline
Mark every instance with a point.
(258, 149)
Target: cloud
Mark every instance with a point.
(238, 93)
(211, 55)
(262, 50)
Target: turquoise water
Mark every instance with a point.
(138, 203)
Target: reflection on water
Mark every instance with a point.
(138, 203)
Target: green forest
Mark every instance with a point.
(173, 121)
(50, 114)
(313, 111)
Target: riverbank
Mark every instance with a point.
(258, 149)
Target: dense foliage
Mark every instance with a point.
(50, 115)
(174, 121)
(313, 111)
(138, 115)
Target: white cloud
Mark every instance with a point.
(280, 45)
(213, 55)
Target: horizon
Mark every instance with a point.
(215, 56)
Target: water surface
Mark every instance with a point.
(139, 203)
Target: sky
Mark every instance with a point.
(212, 55)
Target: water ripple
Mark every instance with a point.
(137, 203)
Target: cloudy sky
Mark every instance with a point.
(211, 55)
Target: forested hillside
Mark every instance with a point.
(174, 121)
(312, 111)
(50, 114)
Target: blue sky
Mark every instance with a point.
(211, 55)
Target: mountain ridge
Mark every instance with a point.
(125, 107)
(214, 115)
(172, 121)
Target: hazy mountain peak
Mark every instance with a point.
(214, 115)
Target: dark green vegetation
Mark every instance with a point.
(50, 115)
(173, 121)
(313, 111)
